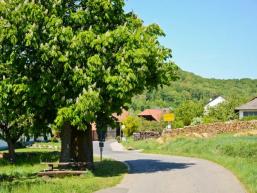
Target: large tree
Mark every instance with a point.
(83, 60)
(15, 118)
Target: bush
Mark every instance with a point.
(197, 121)
(54, 139)
(224, 111)
(152, 125)
(250, 118)
(131, 124)
(20, 144)
(178, 124)
(187, 111)
(207, 119)
(241, 149)
(118, 138)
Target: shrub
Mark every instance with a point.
(178, 124)
(131, 124)
(118, 138)
(224, 111)
(152, 125)
(241, 149)
(187, 111)
(54, 139)
(197, 121)
(249, 118)
(207, 119)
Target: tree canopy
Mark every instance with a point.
(81, 60)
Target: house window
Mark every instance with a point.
(250, 114)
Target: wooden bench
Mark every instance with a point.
(61, 173)
(63, 168)
(53, 165)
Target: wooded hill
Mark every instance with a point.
(196, 88)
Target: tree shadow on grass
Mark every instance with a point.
(17, 177)
(109, 168)
(151, 166)
(25, 158)
(10, 183)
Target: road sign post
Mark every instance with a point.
(101, 138)
(101, 146)
(169, 117)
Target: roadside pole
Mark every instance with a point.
(169, 117)
(101, 146)
(101, 137)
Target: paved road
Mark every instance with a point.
(169, 174)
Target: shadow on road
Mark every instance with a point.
(151, 166)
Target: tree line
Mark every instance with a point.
(191, 87)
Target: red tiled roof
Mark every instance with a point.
(122, 116)
(156, 114)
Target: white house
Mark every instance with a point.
(248, 109)
(213, 103)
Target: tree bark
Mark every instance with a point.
(86, 146)
(66, 143)
(11, 150)
(77, 145)
(82, 145)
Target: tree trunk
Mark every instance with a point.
(66, 143)
(77, 145)
(86, 146)
(88, 143)
(11, 150)
(82, 145)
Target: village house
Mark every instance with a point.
(112, 132)
(213, 103)
(153, 114)
(119, 119)
(248, 109)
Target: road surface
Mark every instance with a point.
(169, 174)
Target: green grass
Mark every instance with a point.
(21, 177)
(238, 154)
(46, 145)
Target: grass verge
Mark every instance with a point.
(21, 177)
(238, 154)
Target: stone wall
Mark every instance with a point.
(146, 135)
(214, 128)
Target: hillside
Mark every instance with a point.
(197, 88)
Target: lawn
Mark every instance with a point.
(238, 154)
(21, 176)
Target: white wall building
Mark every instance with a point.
(213, 103)
(248, 109)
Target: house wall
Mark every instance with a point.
(241, 113)
(214, 103)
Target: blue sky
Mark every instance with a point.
(212, 38)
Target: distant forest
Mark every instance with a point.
(195, 88)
